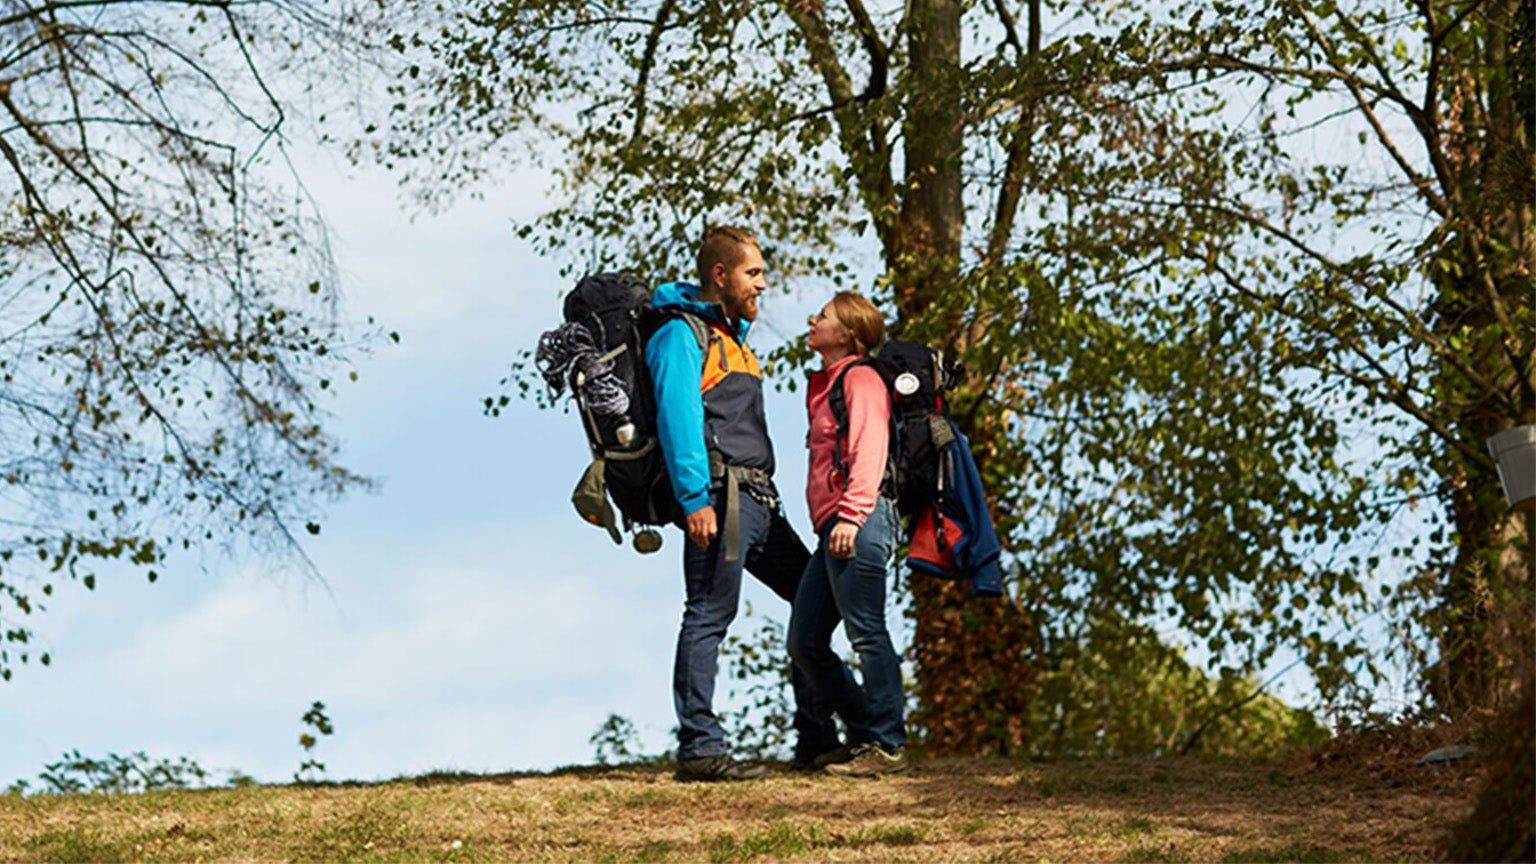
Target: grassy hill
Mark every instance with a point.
(945, 810)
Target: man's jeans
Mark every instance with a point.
(774, 554)
(853, 590)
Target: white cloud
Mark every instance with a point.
(459, 663)
(510, 660)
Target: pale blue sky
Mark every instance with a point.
(469, 619)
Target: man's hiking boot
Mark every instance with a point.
(716, 769)
(872, 760)
(840, 753)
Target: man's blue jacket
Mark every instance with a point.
(709, 398)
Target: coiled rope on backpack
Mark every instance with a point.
(568, 352)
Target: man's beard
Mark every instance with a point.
(739, 310)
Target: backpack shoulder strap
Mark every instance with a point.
(702, 332)
(837, 400)
(653, 319)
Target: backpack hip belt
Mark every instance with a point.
(734, 476)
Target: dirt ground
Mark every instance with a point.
(944, 810)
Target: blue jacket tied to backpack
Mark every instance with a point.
(965, 501)
(957, 540)
(709, 398)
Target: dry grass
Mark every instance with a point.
(946, 810)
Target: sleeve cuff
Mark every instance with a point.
(854, 519)
(694, 503)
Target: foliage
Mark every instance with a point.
(760, 726)
(1392, 275)
(1242, 290)
(616, 741)
(168, 309)
(115, 774)
(1122, 691)
(311, 769)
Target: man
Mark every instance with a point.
(714, 440)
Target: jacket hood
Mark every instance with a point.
(684, 296)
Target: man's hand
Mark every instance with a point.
(840, 541)
(702, 526)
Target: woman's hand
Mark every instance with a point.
(840, 541)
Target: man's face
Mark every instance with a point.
(741, 285)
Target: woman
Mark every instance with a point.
(856, 527)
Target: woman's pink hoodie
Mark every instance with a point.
(828, 493)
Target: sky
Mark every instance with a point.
(468, 619)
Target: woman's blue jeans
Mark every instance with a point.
(852, 590)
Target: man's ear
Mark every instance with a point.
(717, 273)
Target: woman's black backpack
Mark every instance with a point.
(917, 380)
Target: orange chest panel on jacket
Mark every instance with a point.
(724, 356)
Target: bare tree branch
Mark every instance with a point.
(861, 135)
(1010, 190)
(1357, 89)
(647, 60)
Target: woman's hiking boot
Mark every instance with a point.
(840, 753)
(716, 769)
(872, 760)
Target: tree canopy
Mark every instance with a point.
(1242, 288)
(168, 307)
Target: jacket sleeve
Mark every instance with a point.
(675, 362)
(868, 442)
(979, 551)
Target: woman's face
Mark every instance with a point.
(827, 333)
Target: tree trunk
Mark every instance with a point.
(1486, 614)
(932, 215)
(1485, 622)
(974, 672)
